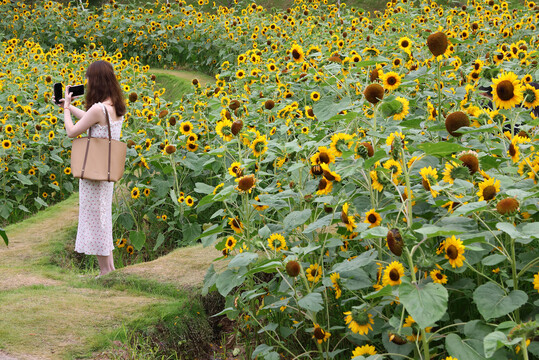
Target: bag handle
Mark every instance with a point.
(110, 139)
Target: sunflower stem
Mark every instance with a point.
(439, 82)
(426, 349)
(515, 277)
(524, 348)
(408, 190)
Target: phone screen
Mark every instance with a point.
(58, 92)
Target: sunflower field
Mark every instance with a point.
(371, 179)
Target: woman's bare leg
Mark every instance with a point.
(106, 264)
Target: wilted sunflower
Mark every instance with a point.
(507, 206)
(297, 53)
(359, 321)
(470, 160)
(245, 183)
(391, 80)
(374, 93)
(320, 335)
(404, 109)
(506, 90)
(455, 121)
(364, 350)
(313, 273)
(236, 225)
(488, 189)
(393, 274)
(437, 43)
(373, 218)
(454, 250)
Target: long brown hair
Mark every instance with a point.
(103, 84)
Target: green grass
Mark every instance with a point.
(175, 87)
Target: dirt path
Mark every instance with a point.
(185, 75)
(46, 311)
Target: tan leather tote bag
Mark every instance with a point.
(98, 159)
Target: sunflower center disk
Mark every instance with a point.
(372, 218)
(505, 90)
(489, 192)
(394, 275)
(452, 252)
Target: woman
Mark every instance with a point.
(94, 233)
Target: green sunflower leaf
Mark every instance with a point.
(243, 259)
(496, 340)
(296, 218)
(137, 238)
(460, 349)
(4, 236)
(443, 148)
(312, 302)
(426, 303)
(493, 302)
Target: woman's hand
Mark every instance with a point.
(67, 97)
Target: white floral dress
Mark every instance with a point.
(94, 233)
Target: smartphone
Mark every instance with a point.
(58, 93)
(77, 90)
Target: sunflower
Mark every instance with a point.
(364, 350)
(186, 127)
(240, 74)
(393, 274)
(506, 90)
(375, 181)
(324, 155)
(454, 171)
(146, 192)
(224, 129)
(507, 206)
(438, 277)
(336, 283)
(346, 219)
(320, 335)
(235, 169)
(328, 174)
(530, 97)
(67, 170)
(409, 322)
(315, 96)
(121, 242)
(405, 44)
(394, 166)
(135, 193)
(373, 218)
(6, 144)
(536, 282)
(341, 142)
(230, 243)
(403, 110)
(429, 176)
(236, 225)
(324, 187)
(359, 321)
(488, 189)
(277, 242)
(391, 80)
(297, 53)
(259, 145)
(313, 272)
(189, 201)
(454, 251)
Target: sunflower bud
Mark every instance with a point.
(133, 97)
(293, 268)
(328, 209)
(236, 127)
(308, 198)
(437, 43)
(455, 121)
(394, 241)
